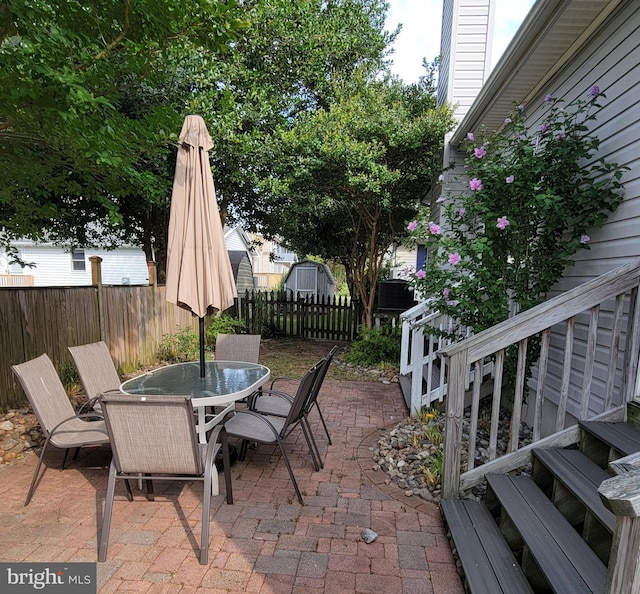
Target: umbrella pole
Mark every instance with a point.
(201, 324)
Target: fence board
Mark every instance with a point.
(331, 318)
(36, 320)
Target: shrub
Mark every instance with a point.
(182, 346)
(532, 197)
(224, 324)
(375, 347)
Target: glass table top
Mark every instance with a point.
(222, 378)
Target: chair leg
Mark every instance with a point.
(313, 445)
(226, 460)
(323, 422)
(149, 485)
(242, 450)
(108, 508)
(64, 460)
(129, 491)
(291, 475)
(34, 480)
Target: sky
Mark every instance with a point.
(420, 35)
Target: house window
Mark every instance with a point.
(16, 267)
(77, 261)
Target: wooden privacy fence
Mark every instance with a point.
(34, 320)
(282, 312)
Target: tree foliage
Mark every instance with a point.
(311, 142)
(355, 173)
(73, 147)
(96, 93)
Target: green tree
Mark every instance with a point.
(355, 172)
(96, 94)
(71, 151)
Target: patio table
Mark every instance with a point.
(224, 383)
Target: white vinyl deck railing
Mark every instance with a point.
(420, 360)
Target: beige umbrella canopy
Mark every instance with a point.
(199, 274)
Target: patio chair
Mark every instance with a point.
(62, 427)
(280, 406)
(238, 347)
(155, 436)
(96, 369)
(252, 426)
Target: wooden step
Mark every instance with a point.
(603, 442)
(488, 563)
(581, 477)
(553, 552)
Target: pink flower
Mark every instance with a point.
(479, 152)
(475, 184)
(454, 258)
(510, 179)
(421, 274)
(502, 222)
(507, 121)
(544, 127)
(562, 135)
(440, 199)
(521, 107)
(412, 226)
(441, 177)
(585, 239)
(470, 136)
(548, 97)
(445, 292)
(595, 90)
(461, 211)
(435, 229)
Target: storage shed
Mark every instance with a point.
(242, 271)
(310, 278)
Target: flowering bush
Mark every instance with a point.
(533, 196)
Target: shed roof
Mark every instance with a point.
(326, 269)
(552, 32)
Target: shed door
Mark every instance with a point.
(306, 280)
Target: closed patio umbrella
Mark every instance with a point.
(199, 274)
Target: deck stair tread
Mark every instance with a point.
(621, 436)
(582, 477)
(563, 557)
(489, 565)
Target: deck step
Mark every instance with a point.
(622, 437)
(581, 477)
(564, 560)
(488, 563)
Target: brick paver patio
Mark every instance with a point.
(265, 542)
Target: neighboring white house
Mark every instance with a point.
(271, 262)
(126, 265)
(563, 47)
(55, 266)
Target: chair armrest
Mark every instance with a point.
(273, 393)
(284, 378)
(91, 415)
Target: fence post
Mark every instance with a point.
(153, 273)
(96, 281)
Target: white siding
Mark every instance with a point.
(609, 58)
(465, 50)
(53, 268)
